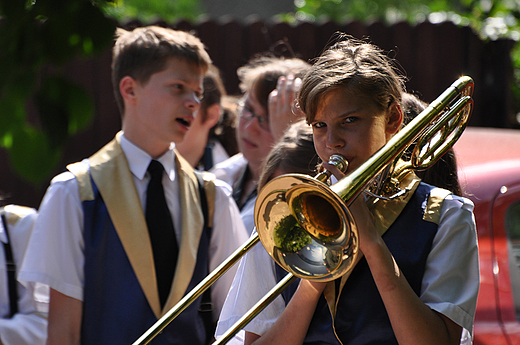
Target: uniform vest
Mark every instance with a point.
(115, 309)
(120, 301)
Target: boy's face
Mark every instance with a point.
(350, 125)
(163, 109)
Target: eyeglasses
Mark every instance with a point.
(247, 114)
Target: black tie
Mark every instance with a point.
(162, 234)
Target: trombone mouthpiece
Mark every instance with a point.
(338, 161)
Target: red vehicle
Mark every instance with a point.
(489, 170)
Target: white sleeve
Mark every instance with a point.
(451, 280)
(29, 325)
(24, 329)
(228, 235)
(255, 277)
(56, 249)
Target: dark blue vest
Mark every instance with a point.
(115, 309)
(361, 316)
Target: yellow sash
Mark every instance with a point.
(16, 212)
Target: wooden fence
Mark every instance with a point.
(432, 55)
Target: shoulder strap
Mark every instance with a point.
(207, 195)
(11, 270)
(207, 200)
(203, 197)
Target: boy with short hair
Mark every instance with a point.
(94, 242)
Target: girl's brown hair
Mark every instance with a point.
(361, 67)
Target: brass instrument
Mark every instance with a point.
(305, 225)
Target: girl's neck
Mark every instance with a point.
(248, 187)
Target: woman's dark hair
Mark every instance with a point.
(260, 75)
(443, 173)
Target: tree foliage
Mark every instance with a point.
(491, 19)
(150, 10)
(38, 38)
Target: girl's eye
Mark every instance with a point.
(350, 119)
(319, 125)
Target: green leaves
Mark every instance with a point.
(64, 109)
(491, 18)
(39, 108)
(289, 236)
(149, 10)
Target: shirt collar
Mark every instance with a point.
(139, 160)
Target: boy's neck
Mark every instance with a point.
(148, 143)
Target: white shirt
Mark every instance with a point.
(219, 152)
(29, 325)
(230, 172)
(444, 289)
(56, 257)
(231, 169)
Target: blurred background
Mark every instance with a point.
(56, 100)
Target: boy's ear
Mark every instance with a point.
(395, 118)
(127, 88)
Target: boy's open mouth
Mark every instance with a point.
(183, 122)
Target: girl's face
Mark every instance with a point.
(353, 126)
(254, 138)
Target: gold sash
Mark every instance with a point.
(16, 212)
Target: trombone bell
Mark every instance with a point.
(306, 227)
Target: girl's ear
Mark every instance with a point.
(394, 119)
(213, 115)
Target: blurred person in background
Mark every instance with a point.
(23, 308)
(266, 110)
(294, 153)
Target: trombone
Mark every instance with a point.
(327, 240)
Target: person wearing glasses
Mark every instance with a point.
(266, 110)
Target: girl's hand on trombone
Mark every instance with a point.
(338, 174)
(364, 219)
